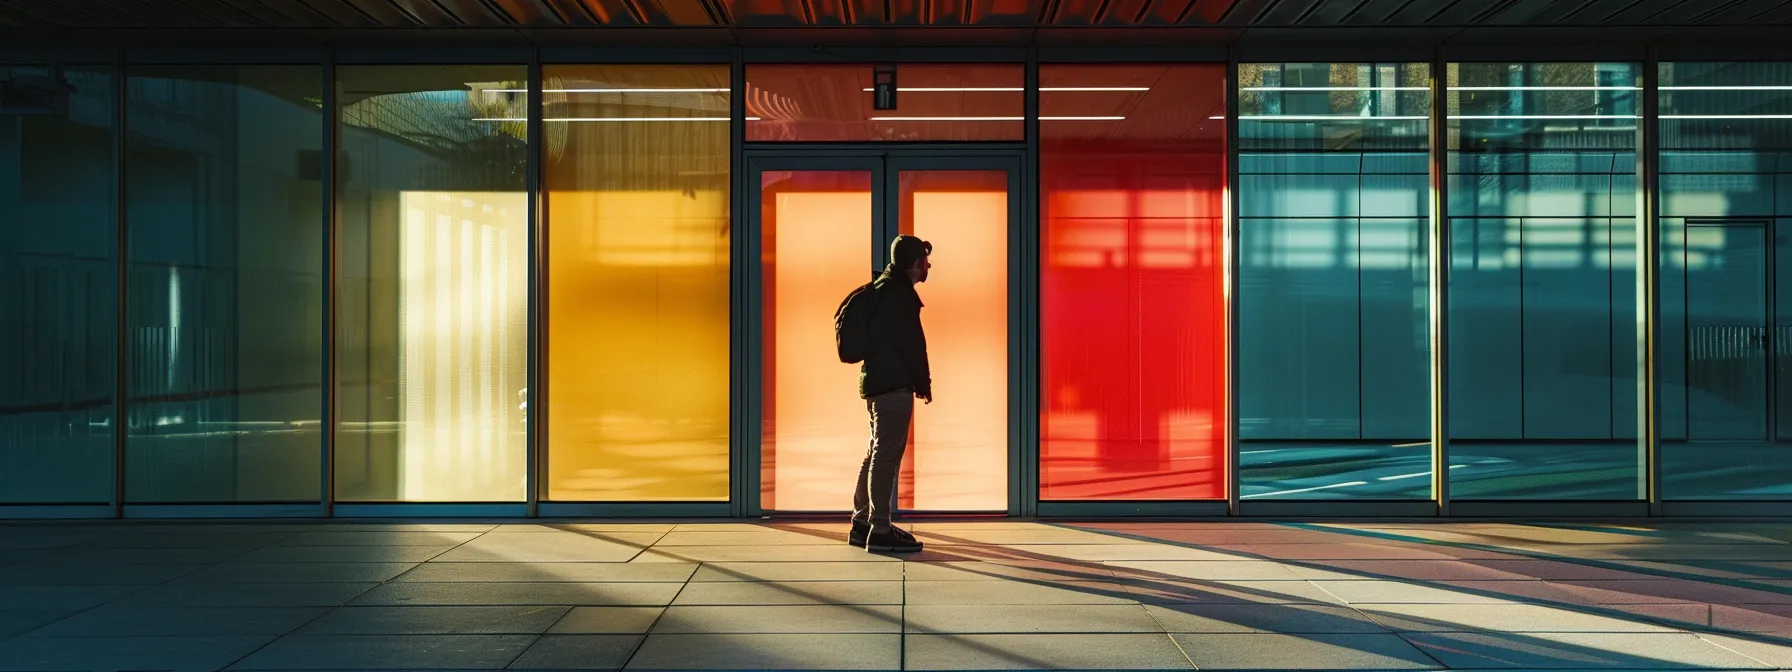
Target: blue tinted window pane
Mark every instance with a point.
(58, 296)
(1725, 387)
(1542, 287)
(226, 221)
(1333, 333)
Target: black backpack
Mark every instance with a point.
(852, 324)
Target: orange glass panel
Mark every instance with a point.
(816, 248)
(1133, 318)
(958, 459)
(637, 281)
(831, 102)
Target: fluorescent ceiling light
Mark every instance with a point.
(1012, 89)
(1321, 117)
(616, 119)
(610, 90)
(1726, 88)
(1334, 88)
(996, 118)
(1545, 116)
(1545, 88)
(1726, 116)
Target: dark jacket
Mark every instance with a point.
(899, 347)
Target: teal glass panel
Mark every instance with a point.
(224, 339)
(1333, 290)
(1542, 281)
(59, 295)
(1724, 363)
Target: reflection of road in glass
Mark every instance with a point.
(1590, 471)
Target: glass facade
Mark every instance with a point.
(1132, 272)
(224, 336)
(298, 284)
(1333, 298)
(1722, 363)
(59, 296)
(1543, 311)
(432, 315)
(636, 175)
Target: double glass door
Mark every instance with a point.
(825, 224)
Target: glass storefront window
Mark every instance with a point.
(59, 296)
(636, 171)
(833, 102)
(1133, 322)
(1543, 317)
(432, 355)
(1723, 342)
(1333, 303)
(225, 215)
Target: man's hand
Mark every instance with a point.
(926, 398)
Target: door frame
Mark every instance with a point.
(1770, 318)
(885, 162)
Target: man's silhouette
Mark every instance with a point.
(889, 381)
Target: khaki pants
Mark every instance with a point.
(874, 498)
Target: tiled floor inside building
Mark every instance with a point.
(984, 595)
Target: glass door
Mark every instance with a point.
(1727, 337)
(825, 226)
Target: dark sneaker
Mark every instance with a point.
(859, 531)
(894, 541)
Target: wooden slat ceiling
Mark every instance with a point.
(228, 14)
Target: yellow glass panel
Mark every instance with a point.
(637, 282)
(432, 343)
(960, 449)
(817, 247)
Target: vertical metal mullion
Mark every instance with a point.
(743, 439)
(1648, 275)
(1230, 236)
(332, 148)
(1440, 277)
(121, 332)
(535, 411)
(1024, 478)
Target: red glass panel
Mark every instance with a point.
(1134, 311)
(934, 102)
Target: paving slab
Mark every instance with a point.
(550, 547)
(760, 652)
(1303, 652)
(387, 652)
(828, 553)
(522, 594)
(1017, 592)
(1044, 652)
(1210, 570)
(159, 621)
(291, 572)
(791, 592)
(247, 595)
(785, 619)
(552, 572)
(578, 652)
(428, 620)
(377, 538)
(126, 653)
(1503, 618)
(1557, 650)
(607, 621)
(1029, 619)
(1269, 618)
(20, 621)
(1182, 591)
(63, 597)
(1025, 570)
(311, 554)
(800, 571)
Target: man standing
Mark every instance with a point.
(890, 379)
